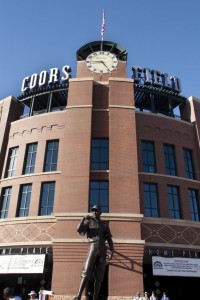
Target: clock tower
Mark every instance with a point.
(101, 117)
(101, 60)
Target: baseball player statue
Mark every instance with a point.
(98, 232)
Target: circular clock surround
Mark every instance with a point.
(101, 62)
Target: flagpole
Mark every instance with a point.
(103, 29)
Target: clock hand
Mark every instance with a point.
(99, 61)
(104, 64)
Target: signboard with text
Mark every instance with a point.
(176, 266)
(15, 264)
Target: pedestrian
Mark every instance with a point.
(33, 295)
(153, 296)
(145, 296)
(98, 232)
(164, 297)
(137, 296)
(8, 294)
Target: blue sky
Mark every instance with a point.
(41, 34)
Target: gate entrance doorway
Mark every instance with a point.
(176, 288)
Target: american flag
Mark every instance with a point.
(103, 26)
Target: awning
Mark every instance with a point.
(25, 264)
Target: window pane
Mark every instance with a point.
(5, 201)
(103, 195)
(12, 160)
(51, 156)
(104, 184)
(170, 166)
(147, 200)
(99, 194)
(29, 163)
(148, 157)
(95, 143)
(47, 198)
(99, 154)
(188, 164)
(94, 185)
(24, 200)
(154, 213)
(148, 212)
(150, 200)
(194, 204)
(173, 202)
(95, 154)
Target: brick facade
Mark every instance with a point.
(99, 106)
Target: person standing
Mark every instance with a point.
(33, 295)
(137, 296)
(164, 297)
(145, 296)
(153, 296)
(8, 294)
(98, 232)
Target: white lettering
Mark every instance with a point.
(137, 74)
(164, 80)
(33, 81)
(54, 75)
(43, 78)
(25, 86)
(147, 74)
(156, 78)
(65, 70)
(165, 252)
(176, 84)
(150, 252)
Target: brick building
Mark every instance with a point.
(107, 139)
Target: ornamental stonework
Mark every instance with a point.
(171, 234)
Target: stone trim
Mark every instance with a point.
(84, 240)
(30, 175)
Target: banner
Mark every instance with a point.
(13, 264)
(176, 266)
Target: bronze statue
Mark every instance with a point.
(98, 232)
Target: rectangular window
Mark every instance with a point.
(12, 160)
(189, 170)
(5, 201)
(100, 154)
(148, 157)
(150, 200)
(29, 164)
(24, 200)
(51, 156)
(173, 201)
(99, 194)
(170, 166)
(194, 204)
(47, 198)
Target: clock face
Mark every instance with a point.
(101, 62)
